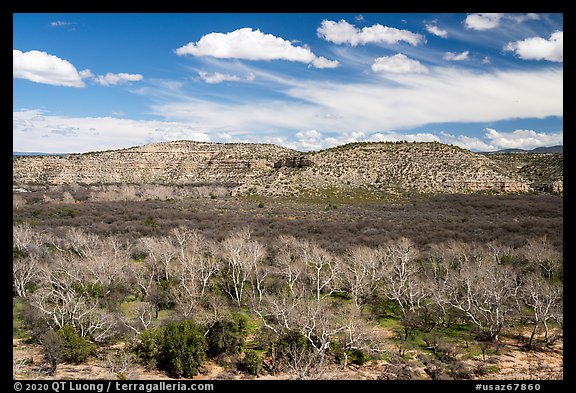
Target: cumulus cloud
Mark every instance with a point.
(483, 21)
(523, 139)
(452, 56)
(433, 29)
(41, 67)
(248, 44)
(218, 77)
(342, 32)
(398, 64)
(538, 48)
(467, 142)
(488, 21)
(116, 79)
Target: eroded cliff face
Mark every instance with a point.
(274, 170)
(164, 163)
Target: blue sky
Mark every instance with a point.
(86, 82)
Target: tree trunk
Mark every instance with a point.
(532, 335)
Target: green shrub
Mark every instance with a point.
(148, 348)
(292, 343)
(252, 362)
(183, 349)
(226, 337)
(357, 356)
(75, 349)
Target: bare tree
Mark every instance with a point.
(543, 254)
(163, 252)
(142, 319)
(290, 265)
(64, 299)
(240, 255)
(24, 271)
(358, 334)
(485, 293)
(400, 274)
(23, 236)
(121, 363)
(498, 250)
(361, 273)
(544, 299)
(145, 274)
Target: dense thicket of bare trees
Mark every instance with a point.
(309, 301)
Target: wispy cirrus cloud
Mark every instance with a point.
(218, 77)
(411, 100)
(37, 130)
(60, 23)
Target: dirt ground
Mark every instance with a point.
(513, 361)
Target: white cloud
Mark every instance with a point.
(217, 77)
(402, 101)
(538, 48)
(519, 18)
(342, 32)
(452, 56)
(251, 44)
(35, 130)
(433, 29)
(338, 112)
(523, 139)
(41, 67)
(322, 62)
(397, 137)
(467, 142)
(485, 21)
(60, 23)
(489, 21)
(116, 79)
(398, 64)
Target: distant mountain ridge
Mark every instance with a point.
(539, 150)
(355, 169)
(35, 153)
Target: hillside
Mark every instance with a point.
(352, 170)
(180, 162)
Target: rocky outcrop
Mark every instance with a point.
(293, 162)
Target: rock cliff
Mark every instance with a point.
(266, 169)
